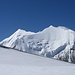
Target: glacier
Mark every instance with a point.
(52, 42)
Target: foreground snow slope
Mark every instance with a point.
(13, 62)
(51, 42)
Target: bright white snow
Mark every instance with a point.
(13, 62)
(51, 42)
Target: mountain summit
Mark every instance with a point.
(52, 42)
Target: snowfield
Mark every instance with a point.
(13, 62)
(52, 42)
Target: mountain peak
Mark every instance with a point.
(65, 28)
(23, 32)
(51, 26)
(20, 30)
(49, 42)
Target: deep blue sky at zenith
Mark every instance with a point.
(35, 15)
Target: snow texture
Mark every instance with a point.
(52, 42)
(13, 62)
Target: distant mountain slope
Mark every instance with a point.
(51, 42)
(13, 62)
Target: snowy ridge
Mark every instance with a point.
(51, 42)
(17, 35)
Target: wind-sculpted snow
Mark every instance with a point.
(51, 42)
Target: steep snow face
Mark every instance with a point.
(51, 42)
(14, 38)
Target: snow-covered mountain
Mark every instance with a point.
(51, 42)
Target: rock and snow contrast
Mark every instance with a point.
(13, 62)
(53, 42)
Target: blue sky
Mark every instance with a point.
(35, 15)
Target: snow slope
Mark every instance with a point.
(51, 42)
(13, 62)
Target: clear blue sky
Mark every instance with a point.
(35, 15)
